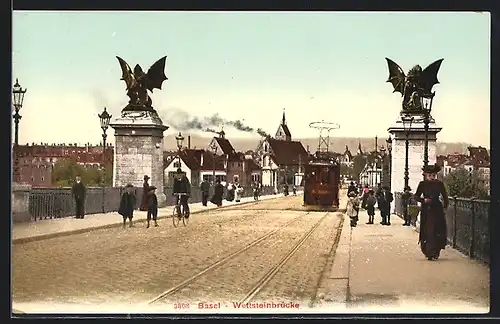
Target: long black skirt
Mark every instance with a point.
(433, 234)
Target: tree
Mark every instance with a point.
(65, 171)
(462, 183)
(346, 170)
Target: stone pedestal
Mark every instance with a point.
(139, 150)
(20, 203)
(415, 152)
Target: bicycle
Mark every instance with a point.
(179, 212)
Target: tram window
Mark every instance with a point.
(325, 176)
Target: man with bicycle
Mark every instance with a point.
(182, 186)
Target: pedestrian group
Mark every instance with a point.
(149, 201)
(432, 196)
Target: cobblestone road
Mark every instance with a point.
(135, 264)
(299, 278)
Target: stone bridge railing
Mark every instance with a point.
(467, 225)
(34, 204)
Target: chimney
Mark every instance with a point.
(189, 142)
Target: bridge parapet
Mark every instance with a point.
(467, 225)
(34, 204)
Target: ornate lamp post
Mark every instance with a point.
(104, 118)
(17, 101)
(214, 151)
(426, 118)
(389, 150)
(407, 121)
(382, 167)
(179, 138)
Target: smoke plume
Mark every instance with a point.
(262, 133)
(183, 121)
(209, 130)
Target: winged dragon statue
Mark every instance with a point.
(138, 83)
(415, 86)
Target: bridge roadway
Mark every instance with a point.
(132, 266)
(272, 251)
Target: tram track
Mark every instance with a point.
(276, 268)
(263, 280)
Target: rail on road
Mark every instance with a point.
(268, 256)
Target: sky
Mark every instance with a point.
(249, 66)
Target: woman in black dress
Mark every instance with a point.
(433, 235)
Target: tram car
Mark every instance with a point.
(322, 184)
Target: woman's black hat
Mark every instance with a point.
(129, 185)
(433, 169)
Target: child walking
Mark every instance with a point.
(370, 206)
(152, 206)
(353, 208)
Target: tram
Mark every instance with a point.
(322, 184)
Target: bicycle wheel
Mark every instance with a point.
(185, 220)
(175, 217)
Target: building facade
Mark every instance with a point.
(478, 160)
(239, 168)
(228, 165)
(36, 161)
(281, 159)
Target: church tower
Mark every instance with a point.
(283, 133)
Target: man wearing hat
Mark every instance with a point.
(405, 201)
(145, 189)
(127, 205)
(182, 185)
(78, 192)
(432, 236)
(384, 205)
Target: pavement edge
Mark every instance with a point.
(24, 240)
(336, 284)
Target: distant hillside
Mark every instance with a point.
(337, 144)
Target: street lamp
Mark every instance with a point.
(407, 121)
(389, 150)
(104, 119)
(214, 151)
(426, 108)
(179, 138)
(382, 165)
(17, 101)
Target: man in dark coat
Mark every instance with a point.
(152, 206)
(145, 189)
(255, 188)
(384, 205)
(405, 202)
(78, 191)
(378, 196)
(205, 189)
(218, 194)
(433, 234)
(127, 205)
(182, 185)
